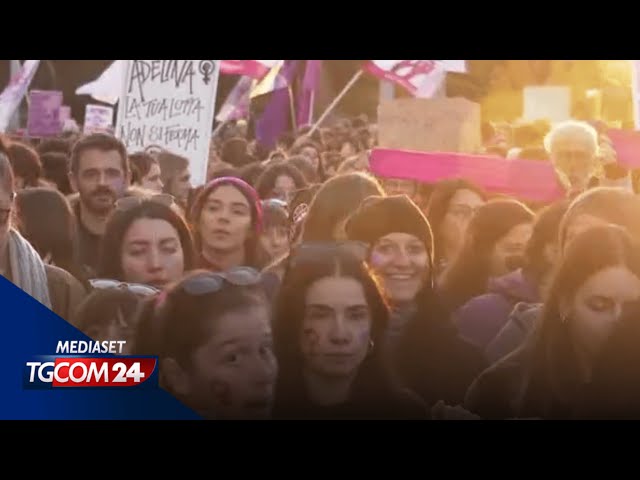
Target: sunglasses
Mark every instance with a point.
(206, 283)
(136, 288)
(127, 203)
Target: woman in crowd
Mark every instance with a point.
(304, 165)
(146, 241)
(145, 171)
(250, 173)
(175, 176)
(212, 333)
(280, 180)
(331, 161)
(20, 263)
(55, 167)
(493, 246)
(547, 377)
(109, 314)
(424, 345)
(481, 318)
(329, 324)
(312, 152)
(274, 237)
(451, 205)
(595, 207)
(26, 166)
(45, 219)
(226, 220)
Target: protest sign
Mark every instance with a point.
(430, 125)
(547, 103)
(13, 94)
(170, 103)
(44, 113)
(525, 179)
(98, 119)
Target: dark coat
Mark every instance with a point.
(431, 359)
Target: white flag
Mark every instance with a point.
(108, 86)
(13, 94)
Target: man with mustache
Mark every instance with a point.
(100, 175)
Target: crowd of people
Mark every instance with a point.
(295, 284)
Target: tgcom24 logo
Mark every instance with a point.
(90, 364)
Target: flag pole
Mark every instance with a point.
(312, 99)
(335, 102)
(292, 109)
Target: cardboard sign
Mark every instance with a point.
(98, 119)
(430, 125)
(170, 103)
(44, 109)
(547, 103)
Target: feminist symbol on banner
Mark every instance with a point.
(409, 68)
(206, 67)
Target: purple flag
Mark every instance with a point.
(277, 114)
(307, 93)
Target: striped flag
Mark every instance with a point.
(272, 81)
(236, 105)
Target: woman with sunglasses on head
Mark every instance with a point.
(212, 334)
(146, 241)
(227, 221)
(423, 345)
(330, 320)
(21, 264)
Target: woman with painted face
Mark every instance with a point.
(451, 205)
(227, 221)
(422, 343)
(481, 318)
(548, 376)
(212, 333)
(21, 264)
(146, 242)
(329, 324)
(494, 244)
(280, 181)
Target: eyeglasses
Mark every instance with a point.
(127, 203)
(137, 288)
(311, 251)
(206, 283)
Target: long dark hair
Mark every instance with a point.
(373, 379)
(438, 204)
(119, 223)
(468, 274)
(46, 220)
(555, 369)
(334, 201)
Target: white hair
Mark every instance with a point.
(572, 128)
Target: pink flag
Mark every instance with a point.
(524, 179)
(307, 92)
(251, 68)
(421, 78)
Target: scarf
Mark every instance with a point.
(27, 268)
